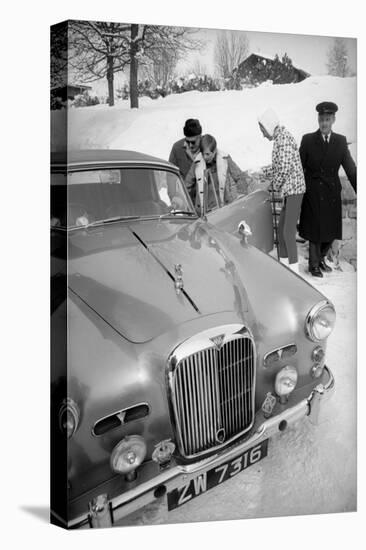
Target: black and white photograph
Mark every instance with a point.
(203, 257)
(183, 274)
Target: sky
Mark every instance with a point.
(307, 52)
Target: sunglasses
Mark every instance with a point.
(193, 142)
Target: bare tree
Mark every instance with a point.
(154, 40)
(165, 46)
(59, 55)
(162, 66)
(231, 48)
(337, 64)
(159, 67)
(102, 49)
(136, 40)
(198, 67)
(99, 50)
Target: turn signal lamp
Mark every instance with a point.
(318, 354)
(128, 454)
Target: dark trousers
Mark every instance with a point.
(287, 227)
(317, 252)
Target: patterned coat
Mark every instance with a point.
(321, 211)
(231, 179)
(286, 173)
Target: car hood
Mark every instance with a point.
(126, 274)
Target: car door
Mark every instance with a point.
(255, 209)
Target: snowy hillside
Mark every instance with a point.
(231, 116)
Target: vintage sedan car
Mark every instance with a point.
(178, 348)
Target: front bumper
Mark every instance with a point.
(104, 512)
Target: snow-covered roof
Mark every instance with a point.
(84, 86)
(271, 58)
(261, 54)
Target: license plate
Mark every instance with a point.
(207, 480)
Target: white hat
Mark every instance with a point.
(269, 120)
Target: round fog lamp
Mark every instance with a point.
(286, 380)
(128, 454)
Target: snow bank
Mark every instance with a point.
(231, 116)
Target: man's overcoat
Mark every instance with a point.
(321, 211)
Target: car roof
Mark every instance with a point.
(103, 156)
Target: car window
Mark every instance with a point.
(95, 176)
(89, 196)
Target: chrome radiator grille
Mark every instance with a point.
(213, 395)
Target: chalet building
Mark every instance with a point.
(69, 91)
(257, 68)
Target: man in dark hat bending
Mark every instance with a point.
(184, 151)
(322, 153)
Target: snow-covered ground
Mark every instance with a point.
(231, 116)
(309, 469)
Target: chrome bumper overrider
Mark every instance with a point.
(106, 512)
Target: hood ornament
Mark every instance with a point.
(178, 283)
(218, 341)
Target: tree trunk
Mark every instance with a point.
(134, 92)
(110, 79)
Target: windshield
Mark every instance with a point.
(86, 197)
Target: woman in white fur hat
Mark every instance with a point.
(287, 177)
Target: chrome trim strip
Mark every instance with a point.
(278, 349)
(92, 164)
(120, 413)
(180, 474)
(202, 340)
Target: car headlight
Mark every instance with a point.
(128, 454)
(286, 380)
(320, 321)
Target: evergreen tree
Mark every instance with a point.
(337, 64)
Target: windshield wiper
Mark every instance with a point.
(176, 212)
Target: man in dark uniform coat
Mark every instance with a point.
(322, 153)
